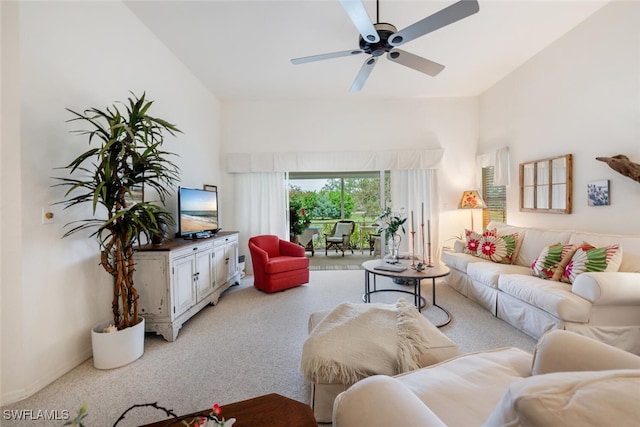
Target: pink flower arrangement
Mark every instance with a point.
(216, 412)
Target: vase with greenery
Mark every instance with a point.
(126, 158)
(391, 223)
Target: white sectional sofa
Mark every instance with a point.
(556, 386)
(602, 305)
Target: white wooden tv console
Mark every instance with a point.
(177, 278)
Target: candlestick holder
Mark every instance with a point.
(413, 249)
(424, 247)
(428, 261)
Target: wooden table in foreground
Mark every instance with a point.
(271, 410)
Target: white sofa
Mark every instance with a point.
(571, 380)
(603, 305)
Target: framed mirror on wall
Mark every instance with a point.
(546, 185)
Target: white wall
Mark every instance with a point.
(581, 95)
(77, 55)
(356, 125)
(11, 301)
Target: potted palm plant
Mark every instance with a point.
(127, 158)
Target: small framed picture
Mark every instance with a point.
(598, 193)
(210, 187)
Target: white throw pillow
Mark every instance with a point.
(593, 398)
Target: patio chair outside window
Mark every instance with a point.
(340, 237)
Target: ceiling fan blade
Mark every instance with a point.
(363, 75)
(446, 16)
(416, 62)
(324, 56)
(360, 18)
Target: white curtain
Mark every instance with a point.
(261, 205)
(415, 191)
(499, 159)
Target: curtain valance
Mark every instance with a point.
(499, 159)
(334, 161)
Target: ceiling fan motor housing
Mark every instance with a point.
(384, 31)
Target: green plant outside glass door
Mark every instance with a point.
(347, 196)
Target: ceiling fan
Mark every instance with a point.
(379, 38)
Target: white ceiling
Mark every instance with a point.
(242, 49)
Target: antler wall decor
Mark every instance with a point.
(623, 165)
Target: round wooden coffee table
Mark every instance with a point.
(412, 277)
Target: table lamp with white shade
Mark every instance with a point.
(471, 200)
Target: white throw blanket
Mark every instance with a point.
(355, 341)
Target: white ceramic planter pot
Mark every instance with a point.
(115, 349)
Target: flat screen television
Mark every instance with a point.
(198, 212)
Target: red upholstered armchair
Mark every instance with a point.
(277, 264)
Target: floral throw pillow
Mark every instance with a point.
(472, 242)
(544, 266)
(588, 258)
(498, 248)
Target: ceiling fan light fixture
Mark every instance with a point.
(376, 39)
(381, 46)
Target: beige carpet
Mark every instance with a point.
(246, 346)
(335, 261)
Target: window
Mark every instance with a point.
(495, 197)
(339, 195)
(546, 185)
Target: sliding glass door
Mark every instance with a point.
(320, 199)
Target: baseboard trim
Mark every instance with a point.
(31, 389)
